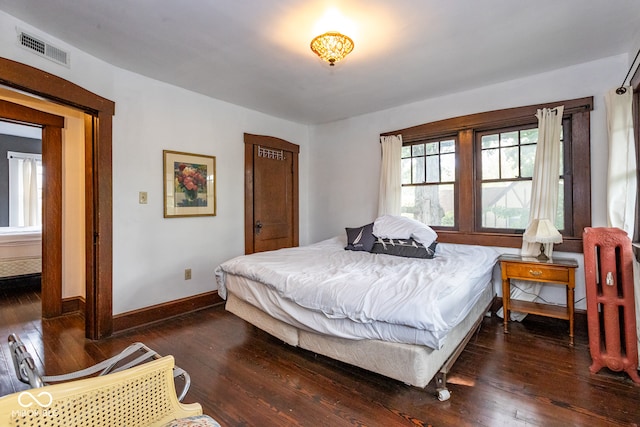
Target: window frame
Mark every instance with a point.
(577, 179)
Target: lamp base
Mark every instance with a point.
(542, 256)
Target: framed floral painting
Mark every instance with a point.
(189, 184)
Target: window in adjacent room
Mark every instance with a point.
(25, 189)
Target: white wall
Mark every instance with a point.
(150, 252)
(344, 173)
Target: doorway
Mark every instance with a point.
(98, 114)
(51, 126)
(271, 193)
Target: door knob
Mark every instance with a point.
(258, 227)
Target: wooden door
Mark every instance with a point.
(271, 193)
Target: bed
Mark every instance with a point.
(20, 251)
(344, 304)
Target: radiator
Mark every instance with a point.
(20, 266)
(608, 265)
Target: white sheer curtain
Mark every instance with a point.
(389, 198)
(544, 194)
(621, 177)
(30, 196)
(546, 175)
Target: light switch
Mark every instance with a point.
(142, 197)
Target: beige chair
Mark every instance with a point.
(143, 395)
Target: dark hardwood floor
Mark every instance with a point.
(244, 377)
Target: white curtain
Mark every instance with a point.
(30, 196)
(546, 173)
(389, 198)
(621, 177)
(544, 195)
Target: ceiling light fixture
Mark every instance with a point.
(332, 46)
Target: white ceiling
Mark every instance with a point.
(255, 53)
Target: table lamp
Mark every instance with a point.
(542, 231)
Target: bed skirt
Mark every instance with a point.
(412, 364)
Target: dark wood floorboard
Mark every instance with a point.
(244, 377)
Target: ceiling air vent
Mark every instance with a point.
(42, 48)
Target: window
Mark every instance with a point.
(25, 197)
(428, 181)
(506, 159)
(470, 177)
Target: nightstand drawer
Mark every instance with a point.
(533, 272)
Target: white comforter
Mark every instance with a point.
(365, 287)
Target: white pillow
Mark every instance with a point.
(400, 227)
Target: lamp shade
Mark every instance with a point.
(542, 231)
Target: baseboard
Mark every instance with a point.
(73, 305)
(159, 312)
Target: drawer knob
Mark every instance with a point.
(535, 273)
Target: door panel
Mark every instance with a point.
(271, 194)
(273, 204)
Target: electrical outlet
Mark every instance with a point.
(142, 197)
(187, 274)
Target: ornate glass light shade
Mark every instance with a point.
(332, 46)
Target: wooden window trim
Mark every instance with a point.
(578, 110)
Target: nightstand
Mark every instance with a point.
(556, 271)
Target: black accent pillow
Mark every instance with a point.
(360, 238)
(408, 248)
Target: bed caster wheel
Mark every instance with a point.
(443, 395)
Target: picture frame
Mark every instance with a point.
(189, 184)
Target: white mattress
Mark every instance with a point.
(457, 292)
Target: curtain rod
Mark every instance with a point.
(622, 90)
